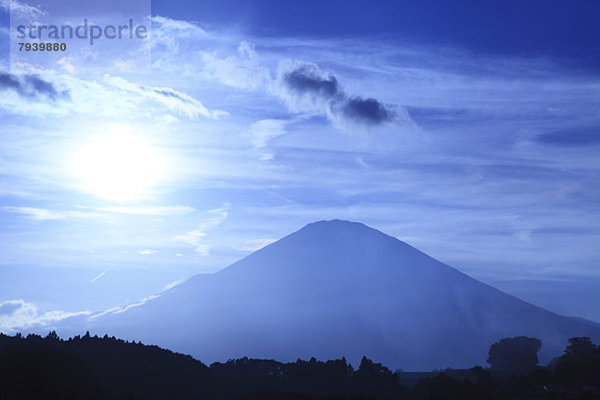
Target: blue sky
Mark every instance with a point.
(468, 130)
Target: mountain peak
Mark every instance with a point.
(335, 224)
(348, 230)
(339, 288)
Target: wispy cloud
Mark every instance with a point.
(242, 70)
(304, 87)
(172, 99)
(203, 249)
(212, 218)
(153, 210)
(192, 237)
(42, 214)
(122, 309)
(263, 131)
(147, 252)
(111, 96)
(168, 34)
(571, 137)
(178, 25)
(100, 275)
(19, 314)
(172, 285)
(20, 8)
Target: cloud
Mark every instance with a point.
(307, 79)
(175, 44)
(368, 110)
(147, 252)
(39, 214)
(192, 237)
(155, 210)
(32, 87)
(122, 309)
(100, 275)
(8, 308)
(173, 99)
(305, 88)
(19, 314)
(263, 131)
(22, 9)
(172, 285)
(195, 237)
(66, 64)
(242, 70)
(112, 97)
(203, 249)
(574, 137)
(168, 34)
(42, 214)
(165, 24)
(255, 244)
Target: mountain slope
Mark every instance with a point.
(337, 289)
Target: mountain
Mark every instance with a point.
(341, 289)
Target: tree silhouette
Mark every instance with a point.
(580, 346)
(52, 336)
(107, 368)
(517, 354)
(375, 379)
(580, 364)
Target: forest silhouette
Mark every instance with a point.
(90, 367)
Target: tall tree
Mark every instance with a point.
(517, 354)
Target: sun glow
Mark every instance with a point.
(119, 166)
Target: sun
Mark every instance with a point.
(118, 166)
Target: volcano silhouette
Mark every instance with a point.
(341, 289)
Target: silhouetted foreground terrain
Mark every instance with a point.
(88, 367)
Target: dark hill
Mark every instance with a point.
(93, 368)
(90, 367)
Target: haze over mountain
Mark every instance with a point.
(341, 289)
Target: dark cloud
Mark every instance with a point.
(306, 80)
(8, 81)
(32, 86)
(367, 110)
(585, 136)
(306, 84)
(166, 93)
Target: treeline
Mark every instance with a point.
(90, 367)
